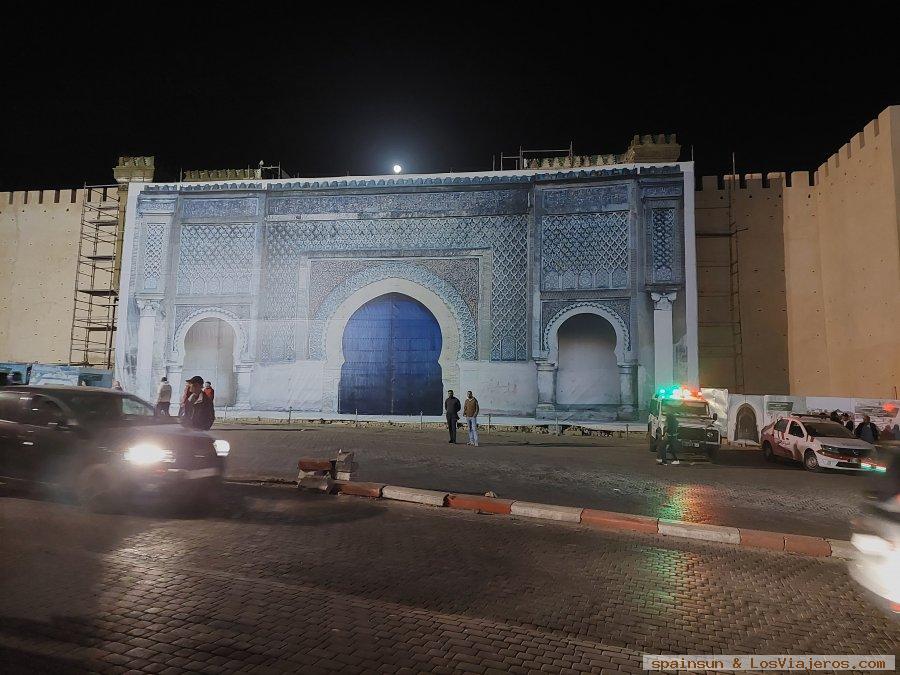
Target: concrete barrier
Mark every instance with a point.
(799, 543)
(678, 528)
(841, 549)
(358, 489)
(405, 494)
(610, 520)
(480, 503)
(569, 514)
(774, 541)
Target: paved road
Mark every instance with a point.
(283, 581)
(740, 489)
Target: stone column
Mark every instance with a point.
(149, 307)
(663, 338)
(628, 405)
(546, 384)
(242, 373)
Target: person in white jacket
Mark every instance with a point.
(163, 397)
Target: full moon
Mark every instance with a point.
(397, 168)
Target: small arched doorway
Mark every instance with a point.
(745, 428)
(391, 347)
(588, 374)
(209, 353)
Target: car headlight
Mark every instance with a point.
(222, 447)
(712, 433)
(832, 450)
(148, 453)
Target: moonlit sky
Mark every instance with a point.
(432, 88)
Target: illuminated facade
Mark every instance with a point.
(563, 292)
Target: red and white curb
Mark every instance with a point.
(606, 520)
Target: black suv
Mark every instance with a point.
(104, 447)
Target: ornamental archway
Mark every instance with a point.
(391, 347)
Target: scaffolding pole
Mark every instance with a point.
(92, 339)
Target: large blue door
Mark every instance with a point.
(391, 348)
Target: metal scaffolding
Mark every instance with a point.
(96, 279)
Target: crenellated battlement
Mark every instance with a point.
(134, 169)
(202, 175)
(649, 148)
(857, 147)
(36, 198)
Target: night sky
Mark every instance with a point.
(436, 88)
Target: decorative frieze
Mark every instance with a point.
(220, 208)
(480, 202)
(585, 199)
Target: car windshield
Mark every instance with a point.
(108, 409)
(686, 408)
(826, 430)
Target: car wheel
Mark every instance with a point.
(96, 492)
(768, 453)
(810, 463)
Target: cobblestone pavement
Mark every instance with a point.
(280, 581)
(740, 489)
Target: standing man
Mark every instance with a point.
(847, 421)
(163, 397)
(199, 412)
(210, 392)
(470, 411)
(867, 431)
(452, 407)
(667, 443)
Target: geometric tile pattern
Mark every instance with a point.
(662, 234)
(584, 251)
(215, 259)
(154, 256)
(505, 235)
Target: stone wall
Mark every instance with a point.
(745, 338)
(39, 233)
(818, 258)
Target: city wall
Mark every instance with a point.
(814, 264)
(39, 233)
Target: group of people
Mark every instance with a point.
(470, 410)
(197, 406)
(866, 430)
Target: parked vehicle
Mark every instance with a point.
(696, 426)
(876, 540)
(104, 447)
(818, 443)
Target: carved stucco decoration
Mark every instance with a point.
(396, 270)
(462, 273)
(619, 308)
(585, 251)
(216, 259)
(504, 235)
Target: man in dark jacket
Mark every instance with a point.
(667, 443)
(867, 431)
(452, 407)
(847, 421)
(199, 412)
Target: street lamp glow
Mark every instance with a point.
(397, 168)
